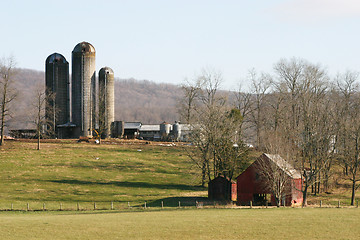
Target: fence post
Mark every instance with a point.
(129, 205)
(196, 204)
(266, 204)
(12, 207)
(320, 203)
(179, 205)
(27, 207)
(112, 205)
(94, 205)
(162, 204)
(77, 206)
(44, 208)
(338, 203)
(60, 207)
(145, 205)
(250, 204)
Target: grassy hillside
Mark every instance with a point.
(185, 224)
(68, 172)
(71, 172)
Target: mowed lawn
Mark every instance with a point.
(67, 172)
(185, 224)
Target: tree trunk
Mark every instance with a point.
(38, 141)
(353, 188)
(2, 133)
(203, 174)
(2, 125)
(304, 203)
(278, 202)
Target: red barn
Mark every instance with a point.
(222, 189)
(252, 186)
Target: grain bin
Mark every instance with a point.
(106, 101)
(165, 129)
(83, 88)
(177, 131)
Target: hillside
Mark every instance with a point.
(70, 172)
(135, 100)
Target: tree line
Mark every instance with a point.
(298, 112)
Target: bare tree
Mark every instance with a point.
(308, 124)
(187, 103)
(244, 103)
(348, 128)
(216, 131)
(290, 74)
(7, 92)
(260, 87)
(44, 125)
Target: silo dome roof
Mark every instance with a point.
(106, 70)
(56, 57)
(84, 47)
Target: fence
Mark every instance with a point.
(93, 206)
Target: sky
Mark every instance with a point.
(168, 41)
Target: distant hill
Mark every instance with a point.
(135, 100)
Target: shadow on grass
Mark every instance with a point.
(132, 184)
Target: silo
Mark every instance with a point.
(117, 128)
(57, 91)
(106, 101)
(177, 131)
(83, 88)
(165, 130)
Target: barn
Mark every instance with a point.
(252, 186)
(222, 189)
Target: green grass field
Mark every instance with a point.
(280, 223)
(68, 172)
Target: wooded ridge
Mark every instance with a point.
(135, 100)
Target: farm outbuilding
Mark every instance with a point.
(253, 186)
(222, 189)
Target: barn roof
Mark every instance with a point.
(132, 125)
(284, 165)
(150, 127)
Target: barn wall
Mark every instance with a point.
(249, 183)
(219, 189)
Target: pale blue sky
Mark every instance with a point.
(168, 40)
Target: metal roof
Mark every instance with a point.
(284, 165)
(150, 127)
(56, 57)
(84, 47)
(106, 70)
(132, 125)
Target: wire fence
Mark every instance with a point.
(128, 206)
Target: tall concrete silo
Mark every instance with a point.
(57, 91)
(83, 88)
(106, 101)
